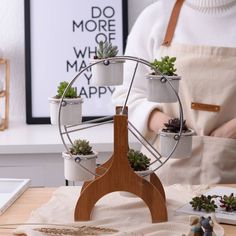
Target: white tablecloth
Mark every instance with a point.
(128, 216)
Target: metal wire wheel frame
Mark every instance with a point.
(153, 151)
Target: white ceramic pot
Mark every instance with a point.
(107, 75)
(162, 92)
(71, 112)
(74, 172)
(145, 174)
(183, 149)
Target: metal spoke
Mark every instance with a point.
(87, 127)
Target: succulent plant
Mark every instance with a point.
(165, 66)
(137, 160)
(173, 126)
(206, 203)
(228, 202)
(81, 147)
(106, 50)
(71, 92)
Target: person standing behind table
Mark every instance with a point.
(204, 42)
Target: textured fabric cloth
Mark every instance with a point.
(129, 216)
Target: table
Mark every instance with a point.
(35, 197)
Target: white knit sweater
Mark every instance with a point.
(201, 22)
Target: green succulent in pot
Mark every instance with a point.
(164, 66)
(71, 106)
(71, 92)
(163, 81)
(79, 161)
(106, 50)
(81, 147)
(107, 69)
(173, 126)
(137, 160)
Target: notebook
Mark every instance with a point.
(10, 190)
(221, 215)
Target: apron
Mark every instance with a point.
(208, 77)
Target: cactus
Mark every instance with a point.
(71, 92)
(173, 126)
(165, 66)
(81, 147)
(106, 50)
(137, 160)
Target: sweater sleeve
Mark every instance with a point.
(143, 40)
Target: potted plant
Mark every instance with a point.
(80, 155)
(71, 110)
(159, 90)
(140, 164)
(106, 72)
(168, 137)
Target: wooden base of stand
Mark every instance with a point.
(119, 176)
(153, 178)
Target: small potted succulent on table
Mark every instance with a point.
(71, 110)
(106, 72)
(140, 164)
(80, 153)
(168, 137)
(159, 90)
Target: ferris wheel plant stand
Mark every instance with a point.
(120, 177)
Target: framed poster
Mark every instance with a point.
(60, 37)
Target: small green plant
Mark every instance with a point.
(137, 160)
(81, 147)
(206, 203)
(71, 92)
(228, 202)
(165, 66)
(106, 50)
(173, 126)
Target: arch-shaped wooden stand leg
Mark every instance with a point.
(158, 185)
(120, 177)
(99, 170)
(153, 178)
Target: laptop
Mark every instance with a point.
(10, 190)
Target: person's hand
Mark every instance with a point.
(227, 130)
(157, 120)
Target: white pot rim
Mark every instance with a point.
(144, 172)
(158, 77)
(67, 156)
(190, 133)
(77, 100)
(112, 60)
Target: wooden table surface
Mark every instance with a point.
(34, 197)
